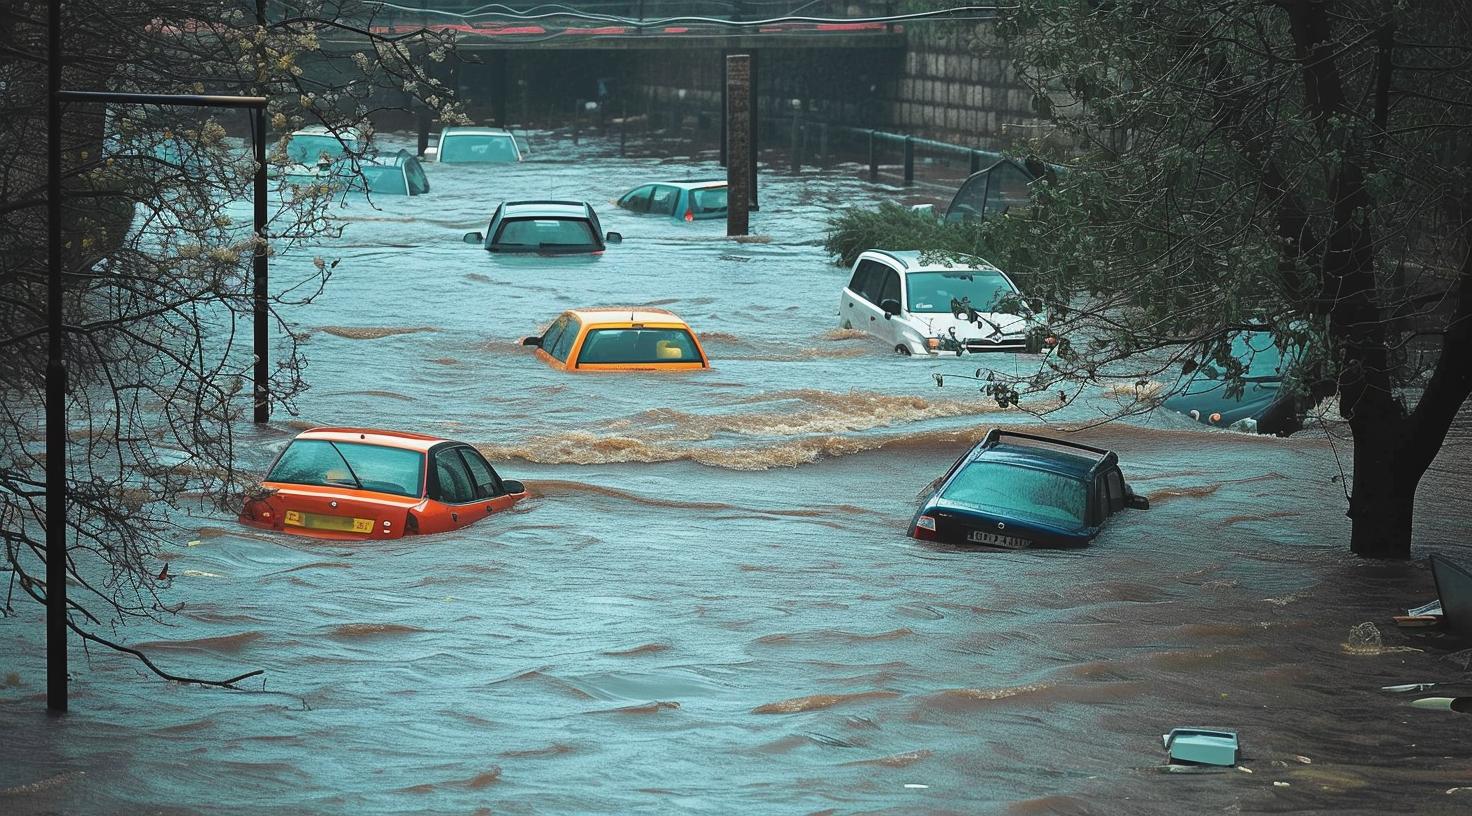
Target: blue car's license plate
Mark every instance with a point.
(996, 540)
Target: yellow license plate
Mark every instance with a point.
(316, 521)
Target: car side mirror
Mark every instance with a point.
(1137, 502)
(513, 486)
(890, 308)
(532, 341)
(473, 238)
(614, 238)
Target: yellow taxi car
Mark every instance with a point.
(619, 339)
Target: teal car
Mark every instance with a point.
(1263, 406)
(399, 174)
(690, 200)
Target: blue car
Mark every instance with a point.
(690, 200)
(1019, 491)
(1264, 406)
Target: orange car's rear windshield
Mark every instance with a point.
(638, 346)
(350, 464)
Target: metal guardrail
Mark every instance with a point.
(874, 141)
(598, 13)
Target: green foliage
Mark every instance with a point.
(895, 227)
(1298, 167)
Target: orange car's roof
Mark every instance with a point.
(390, 439)
(633, 314)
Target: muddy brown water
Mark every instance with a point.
(709, 605)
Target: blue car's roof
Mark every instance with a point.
(1038, 458)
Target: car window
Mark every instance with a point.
(1040, 494)
(891, 290)
(350, 464)
(1114, 483)
(637, 200)
(564, 343)
(418, 182)
(638, 346)
(456, 486)
(932, 292)
(386, 179)
(532, 233)
(870, 279)
(554, 333)
(482, 475)
(708, 200)
(309, 148)
(663, 201)
(468, 147)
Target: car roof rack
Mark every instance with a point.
(547, 201)
(994, 436)
(904, 264)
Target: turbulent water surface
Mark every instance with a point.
(710, 606)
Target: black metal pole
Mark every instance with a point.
(56, 498)
(873, 157)
(262, 394)
(909, 160)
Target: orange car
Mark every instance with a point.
(355, 483)
(618, 339)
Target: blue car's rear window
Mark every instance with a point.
(1038, 494)
(545, 233)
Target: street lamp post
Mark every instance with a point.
(56, 368)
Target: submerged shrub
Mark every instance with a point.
(895, 227)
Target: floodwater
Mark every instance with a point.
(710, 605)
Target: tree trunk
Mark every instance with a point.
(1383, 493)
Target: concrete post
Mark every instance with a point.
(739, 158)
(796, 139)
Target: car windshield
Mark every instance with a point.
(933, 291)
(469, 147)
(1259, 355)
(638, 346)
(711, 199)
(1039, 494)
(309, 148)
(543, 233)
(387, 179)
(350, 464)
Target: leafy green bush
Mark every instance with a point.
(894, 227)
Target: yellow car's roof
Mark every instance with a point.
(606, 315)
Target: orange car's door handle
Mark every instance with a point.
(454, 516)
(490, 508)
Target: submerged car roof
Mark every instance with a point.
(371, 436)
(323, 130)
(558, 209)
(693, 184)
(1054, 455)
(626, 314)
(909, 260)
(474, 131)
